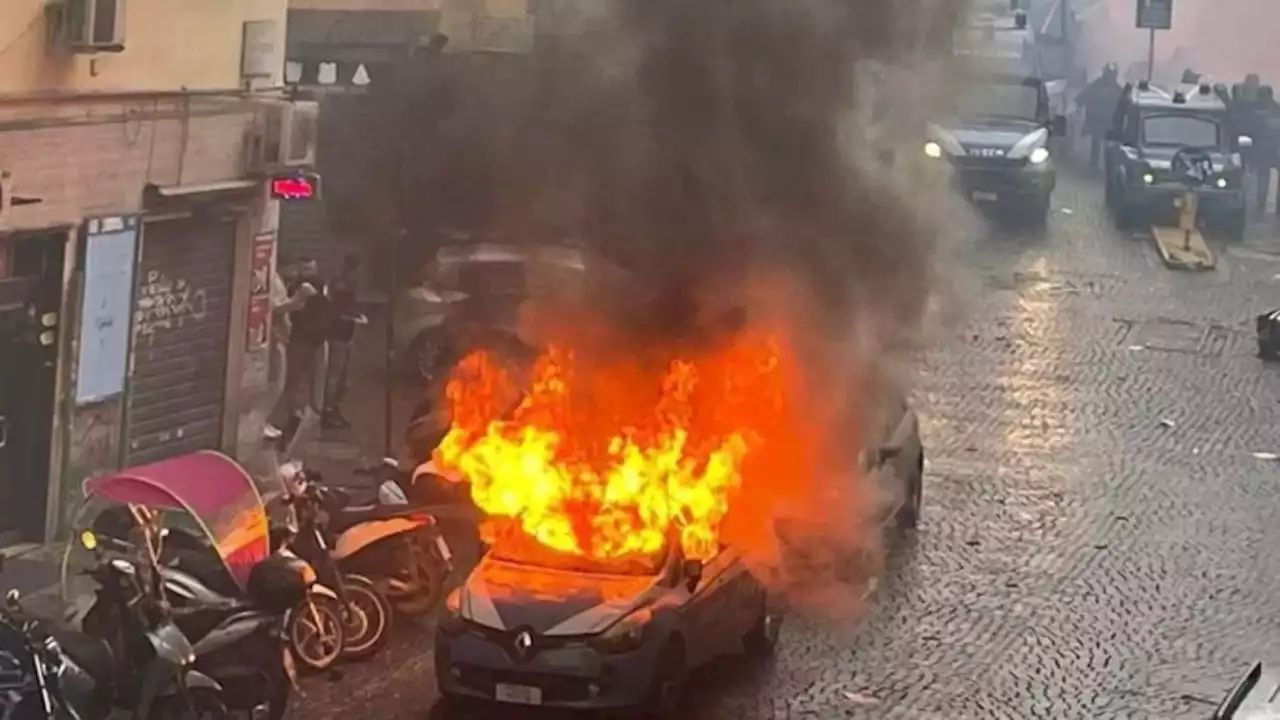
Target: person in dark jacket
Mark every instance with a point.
(1099, 101)
(1249, 114)
(1266, 146)
(345, 316)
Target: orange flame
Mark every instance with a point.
(610, 460)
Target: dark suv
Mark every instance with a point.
(1161, 143)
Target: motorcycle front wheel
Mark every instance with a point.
(368, 618)
(316, 633)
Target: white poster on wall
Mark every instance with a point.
(103, 359)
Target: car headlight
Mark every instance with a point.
(625, 635)
(933, 149)
(1039, 155)
(451, 622)
(1148, 177)
(1222, 182)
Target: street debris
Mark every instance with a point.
(1266, 456)
(1136, 348)
(1166, 423)
(861, 698)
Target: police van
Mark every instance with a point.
(996, 145)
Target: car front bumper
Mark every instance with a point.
(568, 675)
(1000, 180)
(1162, 196)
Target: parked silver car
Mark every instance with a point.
(477, 293)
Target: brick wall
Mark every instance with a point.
(88, 157)
(92, 160)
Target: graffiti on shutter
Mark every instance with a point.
(180, 331)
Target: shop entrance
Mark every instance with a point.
(30, 312)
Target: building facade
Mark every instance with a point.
(137, 236)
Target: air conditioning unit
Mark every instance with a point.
(284, 137)
(91, 25)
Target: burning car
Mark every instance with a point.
(533, 626)
(627, 500)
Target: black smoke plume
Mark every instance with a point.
(700, 143)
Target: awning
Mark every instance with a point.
(173, 191)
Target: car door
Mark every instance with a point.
(1115, 132)
(709, 609)
(891, 463)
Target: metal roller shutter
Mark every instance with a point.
(182, 305)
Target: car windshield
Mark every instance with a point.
(517, 547)
(1000, 99)
(1180, 131)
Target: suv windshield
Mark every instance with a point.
(1002, 99)
(1180, 131)
(518, 548)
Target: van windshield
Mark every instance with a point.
(999, 99)
(1180, 131)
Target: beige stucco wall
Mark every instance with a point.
(169, 44)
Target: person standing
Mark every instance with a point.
(1099, 101)
(1266, 154)
(1248, 119)
(345, 316)
(304, 351)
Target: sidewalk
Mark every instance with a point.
(35, 571)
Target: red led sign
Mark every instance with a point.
(295, 187)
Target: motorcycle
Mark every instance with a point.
(366, 610)
(38, 679)
(141, 661)
(208, 555)
(398, 547)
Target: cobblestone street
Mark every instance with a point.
(1095, 535)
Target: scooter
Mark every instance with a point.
(397, 546)
(196, 583)
(155, 679)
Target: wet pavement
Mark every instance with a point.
(1096, 533)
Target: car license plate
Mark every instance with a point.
(985, 196)
(518, 694)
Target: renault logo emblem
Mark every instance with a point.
(524, 642)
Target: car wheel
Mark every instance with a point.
(909, 515)
(1233, 226)
(762, 639)
(1041, 208)
(667, 690)
(1126, 217)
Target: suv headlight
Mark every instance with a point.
(1039, 156)
(625, 635)
(933, 149)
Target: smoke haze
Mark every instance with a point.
(714, 146)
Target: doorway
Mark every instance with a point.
(30, 312)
